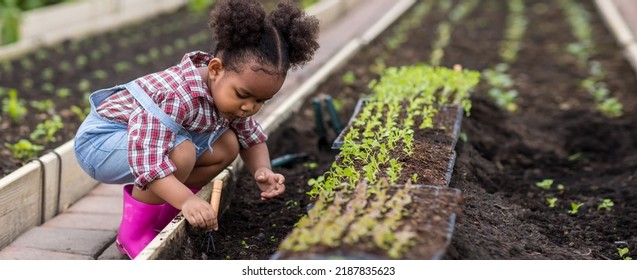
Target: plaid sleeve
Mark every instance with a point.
(150, 142)
(248, 131)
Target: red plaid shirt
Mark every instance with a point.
(181, 93)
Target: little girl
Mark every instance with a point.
(169, 133)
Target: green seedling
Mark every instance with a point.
(574, 208)
(24, 149)
(81, 113)
(545, 184)
(623, 253)
(14, 107)
(611, 107)
(551, 202)
(310, 165)
(45, 132)
(244, 244)
(292, 204)
(575, 156)
(560, 187)
(606, 204)
(63, 92)
(349, 78)
(463, 137)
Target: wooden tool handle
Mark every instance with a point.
(215, 197)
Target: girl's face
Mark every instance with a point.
(238, 95)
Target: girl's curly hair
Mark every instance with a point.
(284, 39)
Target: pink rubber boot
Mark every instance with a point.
(136, 229)
(168, 213)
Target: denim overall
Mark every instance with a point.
(101, 145)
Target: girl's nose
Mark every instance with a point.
(247, 106)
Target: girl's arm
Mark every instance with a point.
(256, 157)
(257, 160)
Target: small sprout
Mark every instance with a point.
(349, 78)
(24, 149)
(14, 106)
(168, 50)
(100, 74)
(81, 61)
(273, 239)
(142, 59)
(96, 55)
(48, 74)
(84, 85)
(292, 204)
(611, 107)
(414, 178)
(244, 244)
(623, 253)
(48, 88)
(463, 137)
(122, 66)
(606, 204)
(228, 257)
(273, 225)
(63, 92)
(560, 187)
(575, 156)
(42, 106)
(65, 66)
(551, 201)
(545, 184)
(310, 165)
(27, 84)
(574, 208)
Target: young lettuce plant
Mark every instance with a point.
(575, 208)
(545, 184)
(606, 204)
(551, 201)
(14, 107)
(24, 149)
(623, 253)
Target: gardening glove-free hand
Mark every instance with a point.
(199, 213)
(270, 183)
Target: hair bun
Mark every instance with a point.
(237, 24)
(299, 30)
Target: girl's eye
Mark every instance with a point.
(240, 95)
(261, 101)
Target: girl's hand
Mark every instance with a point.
(199, 213)
(271, 184)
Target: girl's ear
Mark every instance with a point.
(215, 68)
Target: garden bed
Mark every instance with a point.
(556, 133)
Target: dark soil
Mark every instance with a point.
(504, 216)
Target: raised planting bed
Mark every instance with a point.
(435, 145)
(347, 228)
(556, 132)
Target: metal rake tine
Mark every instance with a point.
(211, 240)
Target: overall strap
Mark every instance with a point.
(149, 105)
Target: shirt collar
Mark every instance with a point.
(192, 78)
